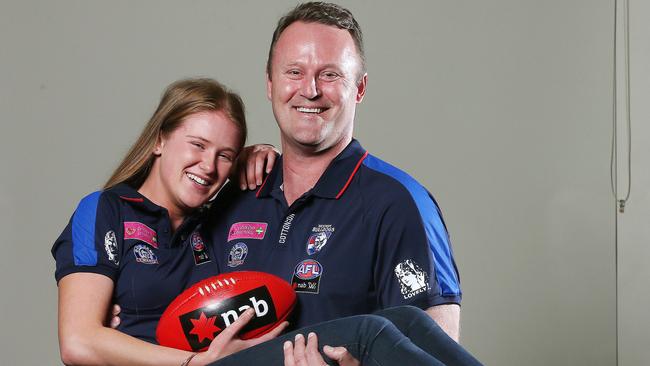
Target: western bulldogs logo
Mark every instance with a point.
(318, 238)
(237, 255)
(198, 248)
(197, 242)
(317, 241)
(307, 276)
(412, 279)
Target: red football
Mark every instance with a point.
(202, 311)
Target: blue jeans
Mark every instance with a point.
(400, 336)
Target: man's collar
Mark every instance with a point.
(334, 181)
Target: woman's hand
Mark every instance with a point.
(253, 162)
(307, 355)
(228, 342)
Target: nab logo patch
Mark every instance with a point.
(306, 276)
(202, 325)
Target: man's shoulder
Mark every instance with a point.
(387, 182)
(230, 198)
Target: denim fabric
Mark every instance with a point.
(400, 336)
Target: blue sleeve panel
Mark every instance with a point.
(81, 245)
(83, 231)
(436, 232)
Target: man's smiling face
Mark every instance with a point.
(314, 86)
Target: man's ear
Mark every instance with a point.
(269, 85)
(361, 87)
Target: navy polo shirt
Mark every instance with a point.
(122, 235)
(367, 236)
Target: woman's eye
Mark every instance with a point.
(199, 145)
(226, 157)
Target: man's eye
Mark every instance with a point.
(293, 73)
(329, 75)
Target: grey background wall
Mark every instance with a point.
(501, 108)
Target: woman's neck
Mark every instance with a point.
(153, 194)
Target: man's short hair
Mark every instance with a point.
(323, 13)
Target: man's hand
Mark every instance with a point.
(228, 342)
(253, 162)
(307, 355)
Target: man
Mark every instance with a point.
(351, 233)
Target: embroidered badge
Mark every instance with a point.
(110, 245)
(144, 254)
(140, 231)
(247, 230)
(318, 238)
(412, 279)
(198, 247)
(237, 255)
(306, 276)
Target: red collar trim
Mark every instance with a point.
(257, 194)
(351, 176)
(132, 199)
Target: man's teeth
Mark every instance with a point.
(198, 180)
(309, 110)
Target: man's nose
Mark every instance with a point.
(309, 87)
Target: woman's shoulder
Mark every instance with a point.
(105, 202)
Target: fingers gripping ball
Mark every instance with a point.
(202, 311)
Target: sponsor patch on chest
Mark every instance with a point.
(139, 231)
(247, 230)
(307, 276)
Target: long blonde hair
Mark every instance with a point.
(181, 99)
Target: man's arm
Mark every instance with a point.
(448, 318)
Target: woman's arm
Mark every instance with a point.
(84, 300)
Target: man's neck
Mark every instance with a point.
(301, 170)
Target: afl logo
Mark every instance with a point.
(197, 242)
(308, 269)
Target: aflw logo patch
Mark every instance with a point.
(202, 325)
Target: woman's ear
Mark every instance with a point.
(157, 149)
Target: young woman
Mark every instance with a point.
(137, 244)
